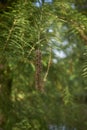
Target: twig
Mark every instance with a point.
(9, 35)
(48, 67)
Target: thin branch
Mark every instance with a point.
(9, 35)
(77, 26)
(83, 35)
(49, 63)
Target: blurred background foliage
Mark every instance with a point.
(58, 29)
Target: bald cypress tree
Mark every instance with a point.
(26, 27)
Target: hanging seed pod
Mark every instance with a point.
(38, 73)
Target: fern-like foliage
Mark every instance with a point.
(85, 62)
(23, 28)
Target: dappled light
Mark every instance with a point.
(43, 65)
